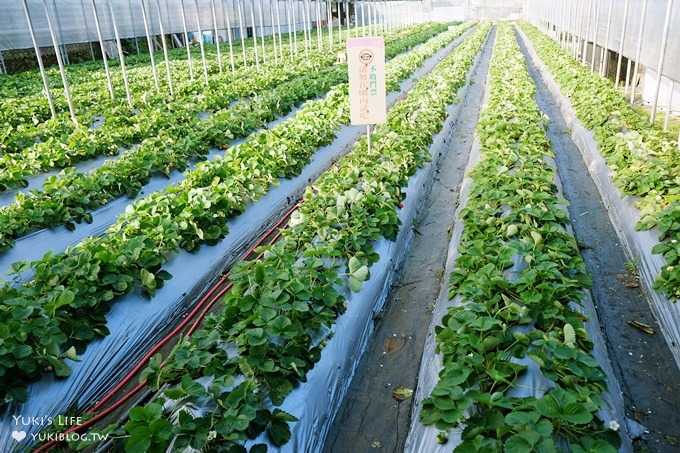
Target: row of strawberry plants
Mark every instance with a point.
(29, 83)
(277, 317)
(516, 276)
(68, 199)
(643, 159)
(64, 306)
(88, 81)
(23, 122)
(121, 129)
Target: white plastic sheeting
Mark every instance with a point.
(622, 212)
(557, 12)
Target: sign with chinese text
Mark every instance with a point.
(366, 66)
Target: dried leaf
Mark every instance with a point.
(402, 393)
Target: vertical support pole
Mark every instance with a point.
(168, 75)
(291, 25)
(363, 20)
(339, 22)
(150, 43)
(306, 33)
(255, 44)
(585, 40)
(669, 106)
(662, 56)
(623, 36)
(200, 43)
(121, 56)
(242, 32)
(579, 35)
(271, 17)
(356, 20)
(319, 40)
(60, 62)
(3, 68)
(186, 39)
(134, 26)
(595, 30)
(625, 88)
(216, 38)
(329, 14)
(278, 27)
(347, 16)
(87, 30)
(639, 51)
(101, 46)
(62, 47)
(604, 61)
(264, 50)
(293, 7)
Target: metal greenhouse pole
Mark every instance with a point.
(271, 17)
(290, 27)
(255, 45)
(168, 75)
(363, 20)
(264, 50)
(329, 14)
(604, 60)
(585, 40)
(319, 40)
(132, 15)
(278, 28)
(639, 51)
(305, 32)
(200, 43)
(229, 39)
(241, 32)
(60, 62)
(121, 56)
(216, 38)
(150, 43)
(579, 35)
(667, 117)
(101, 46)
(623, 35)
(186, 39)
(87, 30)
(662, 56)
(62, 47)
(39, 58)
(595, 27)
(347, 17)
(293, 33)
(339, 22)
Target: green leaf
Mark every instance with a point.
(577, 414)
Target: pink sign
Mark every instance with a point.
(366, 66)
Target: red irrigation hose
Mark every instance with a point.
(204, 305)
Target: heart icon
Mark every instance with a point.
(19, 435)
